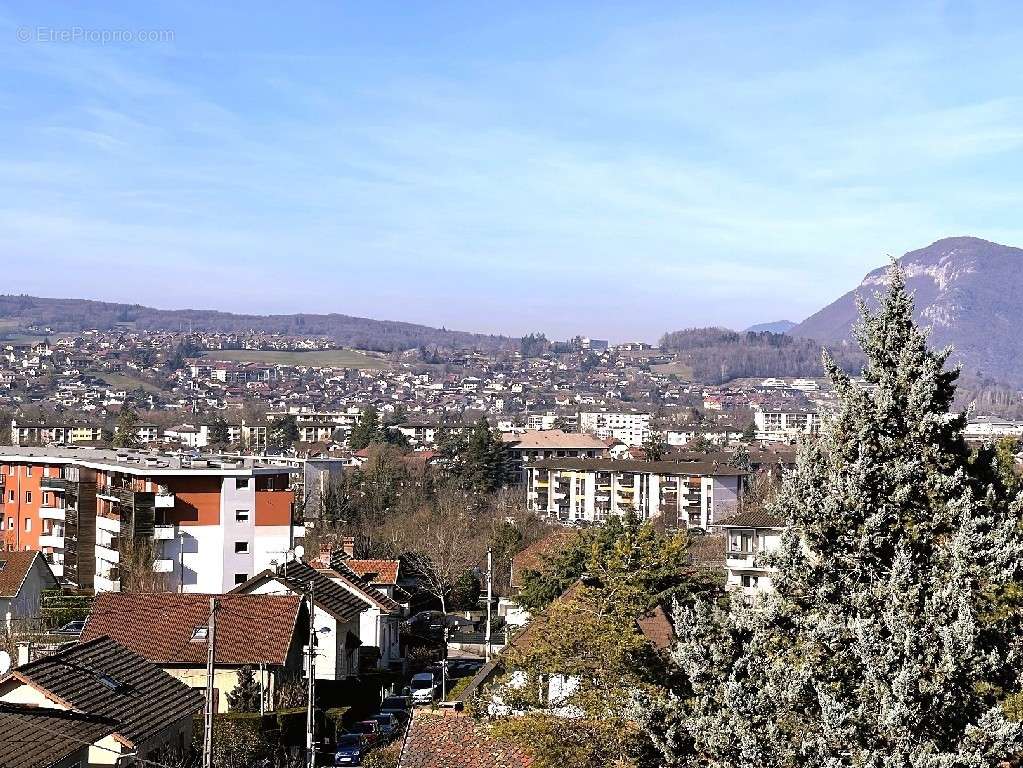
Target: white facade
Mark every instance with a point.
(785, 424)
(745, 547)
(630, 428)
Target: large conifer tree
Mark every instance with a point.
(893, 637)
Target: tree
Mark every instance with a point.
(247, 694)
(587, 657)
(126, 434)
(476, 457)
(283, 433)
(533, 345)
(655, 447)
(700, 444)
(749, 434)
(893, 634)
(366, 430)
(740, 459)
(218, 434)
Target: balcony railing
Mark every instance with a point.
(58, 484)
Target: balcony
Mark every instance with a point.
(164, 532)
(108, 524)
(58, 569)
(163, 566)
(52, 540)
(109, 551)
(108, 581)
(58, 484)
(164, 500)
(52, 513)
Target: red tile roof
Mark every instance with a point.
(15, 569)
(657, 629)
(376, 571)
(532, 557)
(455, 740)
(251, 629)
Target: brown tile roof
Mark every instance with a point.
(376, 571)
(532, 557)
(251, 629)
(656, 628)
(353, 581)
(554, 438)
(106, 679)
(39, 737)
(754, 518)
(629, 465)
(707, 551)
(14, 569)
(456, 740)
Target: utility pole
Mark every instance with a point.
(490, 596)
(211, 650)
(444, 665)
(310, 725)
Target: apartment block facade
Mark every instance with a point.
(684, 495)
(630, 428)
(100, 517)
(749, 538)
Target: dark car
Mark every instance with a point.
(389, 725)
(396, 703)
(350, 749)
(369, 730)
(401, 715)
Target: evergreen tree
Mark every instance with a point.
(893, 634)
(246, 694)
(366, 430)
(749, 434)
(219, 435)
(283, 433)
(126, 434)
(655, 447)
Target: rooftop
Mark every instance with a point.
(554, 439)
(450, 739)
(627, 465)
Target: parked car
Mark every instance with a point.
(71, 628)
(389, 725)
(369, 730)
(403, 716)
(350, 749)
(423, 687)
(396, 703)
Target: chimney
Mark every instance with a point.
(348, 545)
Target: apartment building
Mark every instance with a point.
(685, 495)
(784, 421)
(630, 428)
(549, 444)
(749, 536)
(198, 526)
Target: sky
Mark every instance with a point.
(614, 170)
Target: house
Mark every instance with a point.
(23, 578)
(264, 632)
(382, 575)
(748, 537)
(449, 738)
(129, 708)
(548, 444)
(337, 614)
(42, 737)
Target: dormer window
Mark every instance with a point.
(200, 634)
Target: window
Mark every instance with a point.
(46, 499)
(28, 525)
(28, 471)
(241, 547)
(241, 578)
(10, 496)
(10, 523)
(241, 515)
(749, 581)
(200, 634)
(241, 482)
(28, 497)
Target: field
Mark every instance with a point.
(333, 358)
(681, 370)
(121, 381)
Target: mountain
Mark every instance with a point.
(969, 291)
(778, 326)
(70, 315)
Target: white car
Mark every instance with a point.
(423, 687)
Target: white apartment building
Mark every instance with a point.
(630, 428)
(686, 495)
(983, 428)
(748, 537)
(529, 447)
(785, 422)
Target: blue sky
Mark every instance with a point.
(613, 169)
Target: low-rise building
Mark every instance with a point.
(24, 576)
(749, 536)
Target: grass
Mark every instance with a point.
(122, 381)
(681, 370)
(320, 358)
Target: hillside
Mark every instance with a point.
(778, 326)
(717, 355)
(18, 313)
(969, 291)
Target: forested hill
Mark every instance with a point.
(717, 355)
(25, 312)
